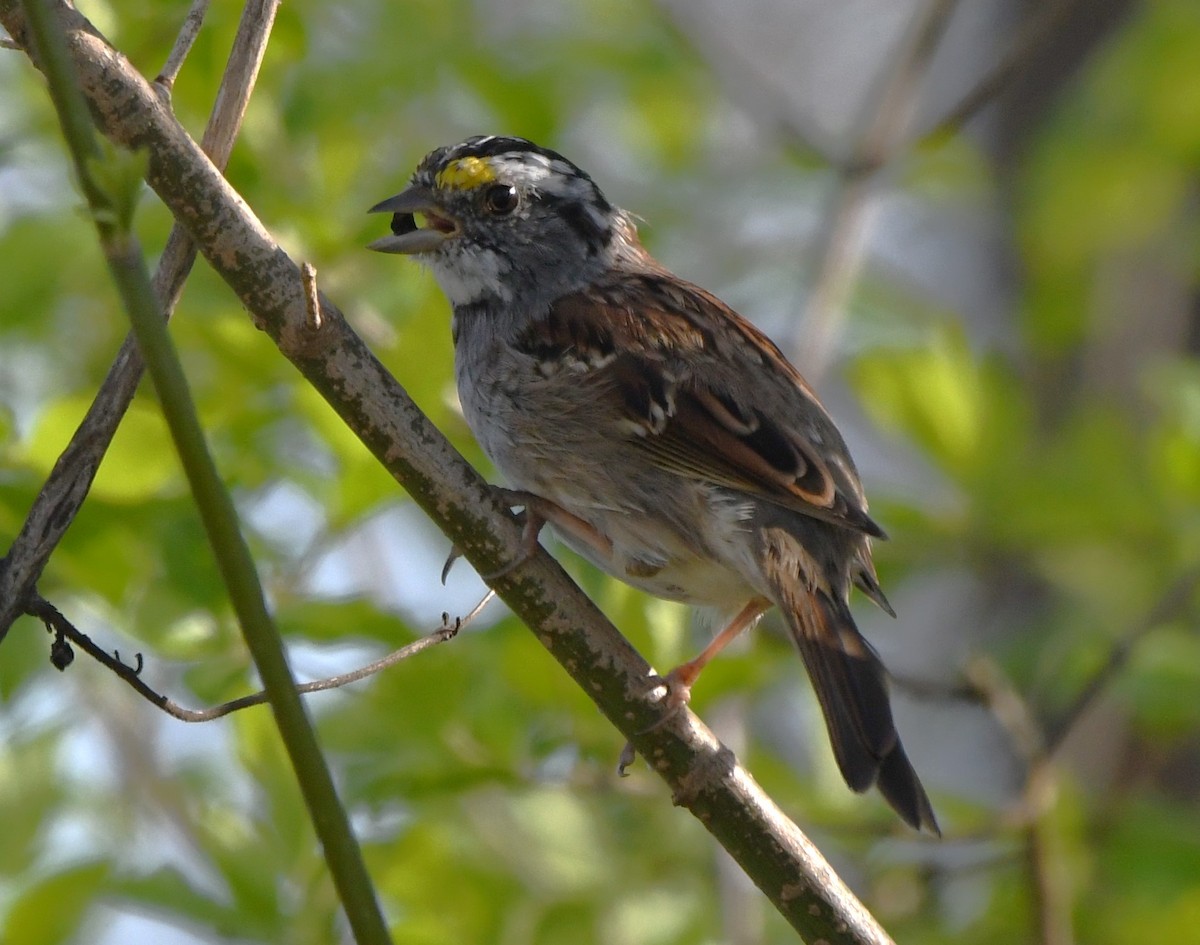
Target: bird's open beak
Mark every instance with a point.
(407, 237)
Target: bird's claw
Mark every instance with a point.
(678, 686)
(454, 555)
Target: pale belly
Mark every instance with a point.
(689, 580)
(702, 560)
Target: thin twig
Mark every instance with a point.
(842, 233)
(1031, 816)
(63, 629)
(878, 139)
(984, 683)
(1033, 37)
(238, 80)
(1036, 743)
(764, 91)
(929, 690)
(183, 44)
(67, 486)
(1009, 708)
(1174, 602)
(312, 298)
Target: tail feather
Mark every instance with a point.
(900, 787)
(851, 686)
(848, 679)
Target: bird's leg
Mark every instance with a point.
(680, 680)
(537, 513)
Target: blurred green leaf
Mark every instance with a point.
(1165, 674)
(30, 791)
(169, 891)
(933, 394)
(1174, 448)
(1146, 876)
(52, 909)
(140, 464)
(26, 654)
(341, 620)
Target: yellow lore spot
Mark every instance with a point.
(465, 174)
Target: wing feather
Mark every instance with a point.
(723, 420)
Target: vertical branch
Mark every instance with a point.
(1049, 877)
(67, 486)
(845, 225)
(111, 206)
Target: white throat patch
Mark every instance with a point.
(464, 284)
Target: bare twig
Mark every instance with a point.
(1033, 37)
(312, 298)
(929, 690)
(838, 256)
(237, 82)
(1174, 602)
(69, 481)
(1009, 708)
(183, 44)
(63, 629)
(1036, 742)
(878, 138)
(704, 776)
(1031, 818)
(765, 92)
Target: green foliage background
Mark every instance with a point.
(1059, 469)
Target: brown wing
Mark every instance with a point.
(705, 394)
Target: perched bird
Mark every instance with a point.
(663, 436)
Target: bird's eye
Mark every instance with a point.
(501, 198)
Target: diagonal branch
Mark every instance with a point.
(183, 45)
(704, 776)
(1174, 602)
(1032, 39)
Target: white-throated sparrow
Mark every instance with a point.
(665, 438)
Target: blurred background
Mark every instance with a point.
(976, 228)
